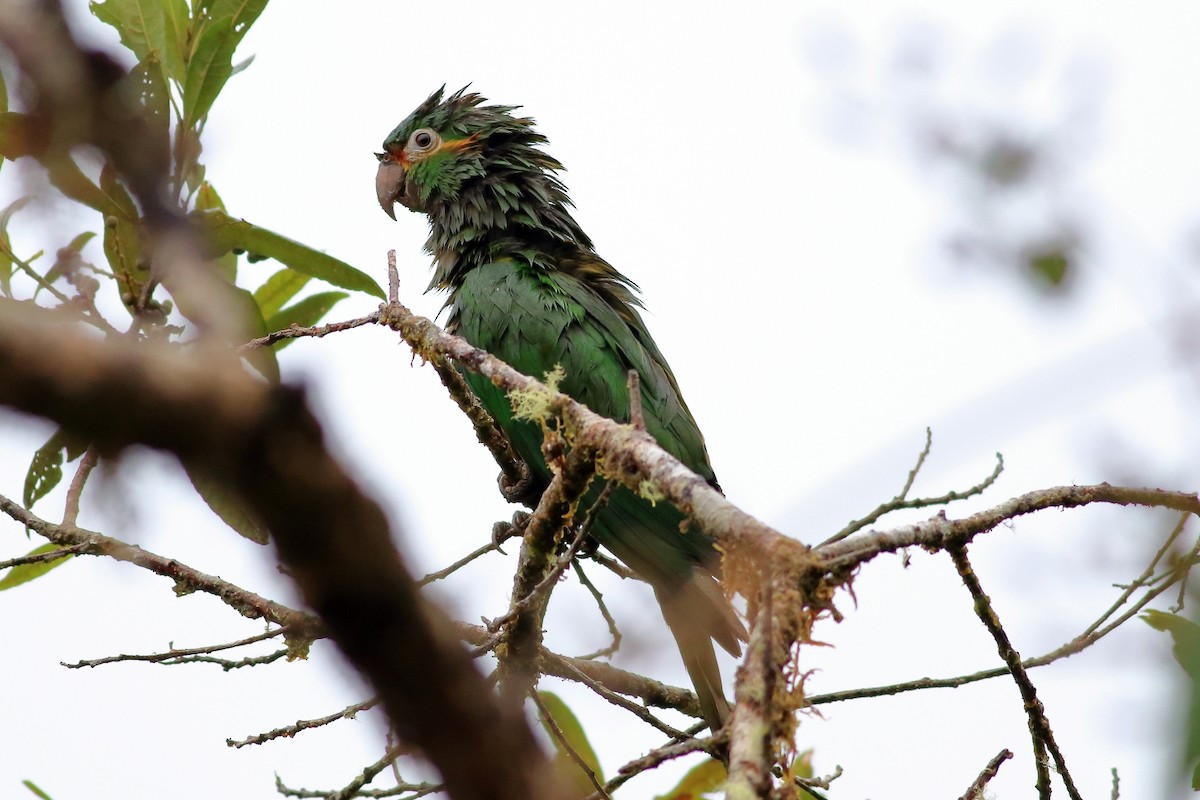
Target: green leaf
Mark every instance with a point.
(45, 471)
(31, 786)
(6, 253)
(572, 731)
(210, 66)
(24, 573)
(700, 780)
(77, 244)
(279, 288)
(227, 233)
(227, 506)
(178, 29)
(122, 239)
(222, 24)
(146, 27)
(1186, 637)
(207, 198)
(1184, 633)
(148, 87)
(305, 313)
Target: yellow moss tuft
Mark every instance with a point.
(650, 491)
(533, 403)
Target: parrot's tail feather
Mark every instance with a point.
(697, 613)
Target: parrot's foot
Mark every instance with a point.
(523, 490)
(503, 531)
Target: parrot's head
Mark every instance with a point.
(450, 147)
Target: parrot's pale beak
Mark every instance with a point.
(389, 183)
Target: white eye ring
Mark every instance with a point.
(423, 139)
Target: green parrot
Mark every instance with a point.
(526, 285)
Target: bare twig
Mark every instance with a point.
(975, 790)
(901, 501)
(355, 787)
(939, 532)
(639, 711)
(561, 739)
(186, 578)
(39, 558)
(517, 484)
(613, 630)
(457, 565)
(287, 732)
(518, 663)
(1094, 632)
(175, 654)
(317, 331)
(655, 757)
(634, 384)
(86, 464)
(1039, 725)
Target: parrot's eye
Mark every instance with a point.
(423, 139)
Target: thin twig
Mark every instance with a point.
(186, 579)
(355, 787)
(655, 757)
(617, 700)
(1090, 636)
(457, 565)
(289, 731)
(38, 558)
(901, 501)
(561, 740)
(1039, 725)
(173, 653)
(634, 384)
(316, 331)
(975, 790)
(75, 491)
(613, 630)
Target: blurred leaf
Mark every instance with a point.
(31, 786)
(6, 254)
(77, 244)
(122, 240)
(228, 233)
(305, 313)
(802, 767)
(572, 731)
(700, 780)
(24, 573)
(227, 506)
(1184, 633)
(45, 471)
(1186, 637)
(207, 199)
(1049, 267)
(279, 288)
(20, 136)
(151, 95)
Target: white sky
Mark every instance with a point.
(752, 167)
